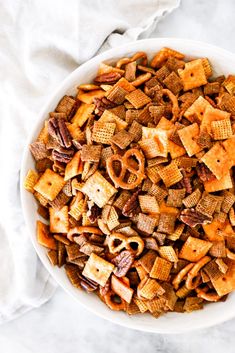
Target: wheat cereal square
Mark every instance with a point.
(168, 253)
(137, 98)
(116, 94)
(147, 223)
(211, 88)
(38, 150)
(147, 260)
(212, 270)
(166, 223)
(177, 232)
(229, 84)
(161, 269)
(121, 199)
(149, 289)
(170, 174)
(207, 205)
(153, 173)
(136, 130)
(228, 201)
(66, 105)
(103, 132)
(148, 204)
(175, 197)
(158, 192)
(162, 73)
(173, 83)
(112, 219)
(221, 129)
(192, 199)
(91, 153)
(122, 139)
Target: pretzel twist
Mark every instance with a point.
(230, 254)
(180, 276)
(210, 297)
(175, 106)
(108, 298)
(125, 243)
(82, 229)
(136, 56)
(126, 166)
(141, 79)
(193, 277)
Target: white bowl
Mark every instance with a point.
(223, 63)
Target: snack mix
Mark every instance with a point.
(134, 178)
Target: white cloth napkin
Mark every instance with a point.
(41, 42)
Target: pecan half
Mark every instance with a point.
(174, 136)
(101, 104)
(204, 140)
(93, 212)
(89, 248)
(87, 284)
(62, 155)
(192, 217)
(123, 261)
(204, 172)
(186, 182)
(131, 206)
(58, 129)
(78, 144)
(109, 77)
(43, 164)
(38, 150)
(104, 290)
(151, 243)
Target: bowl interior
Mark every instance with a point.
(223, 63)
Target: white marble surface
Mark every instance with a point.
(62, 325)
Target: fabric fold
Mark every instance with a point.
(41, 43)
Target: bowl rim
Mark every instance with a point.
(107, 55)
